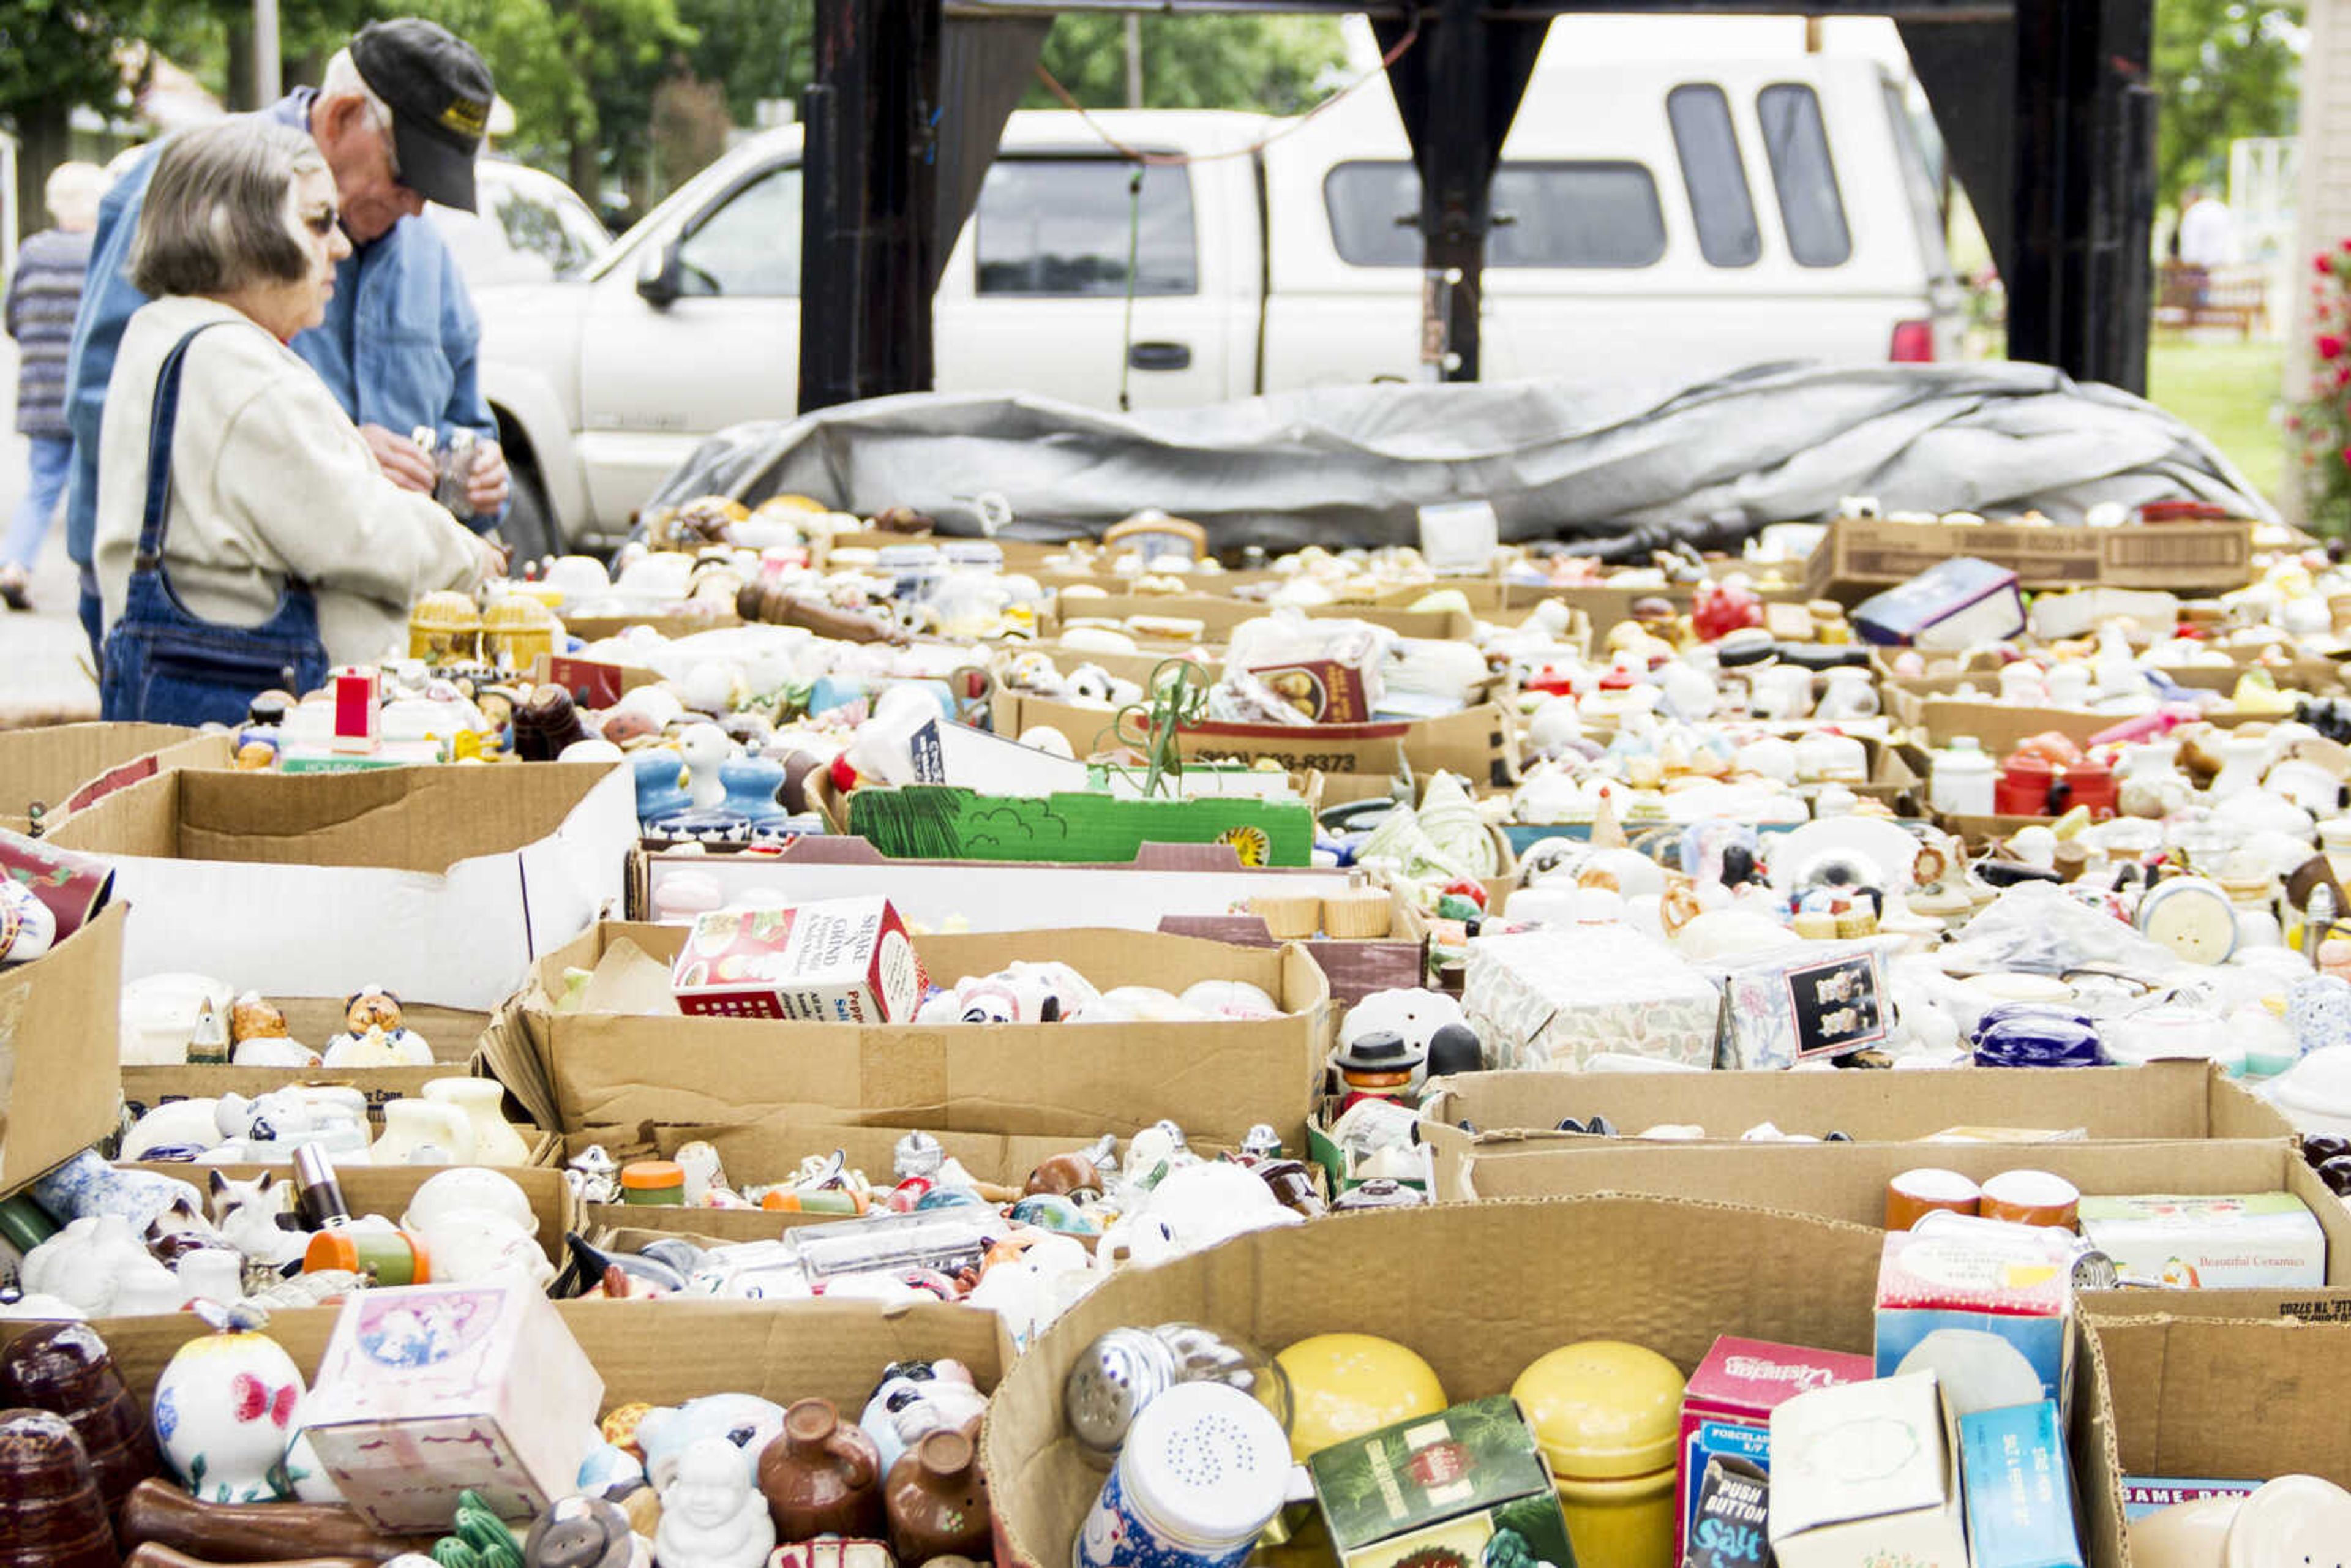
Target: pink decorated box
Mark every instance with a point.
(427, 1391)
(1727, 1404)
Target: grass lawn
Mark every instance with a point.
(2229, 391)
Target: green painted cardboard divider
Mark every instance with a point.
(942, 821)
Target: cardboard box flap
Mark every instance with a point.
(60, 1066)
(49, 766)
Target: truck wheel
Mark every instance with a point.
(529, 524)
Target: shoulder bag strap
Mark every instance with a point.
(161, 422)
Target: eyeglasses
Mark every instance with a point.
(321, 222)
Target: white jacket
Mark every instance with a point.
(270, 478)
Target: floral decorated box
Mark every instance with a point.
(1558, 999)
(427, 1391)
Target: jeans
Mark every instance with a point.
(92, 609)
(44, 483)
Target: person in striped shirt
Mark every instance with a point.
(43, 296)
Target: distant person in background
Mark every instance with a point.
(2208, 230)
(42, 299)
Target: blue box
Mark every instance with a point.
(2020, 1497)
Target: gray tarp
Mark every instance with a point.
(1351, 465)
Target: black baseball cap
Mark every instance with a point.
(439, 92)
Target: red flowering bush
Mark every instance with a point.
(2322, 423)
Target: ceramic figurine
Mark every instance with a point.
(226, 1407)
(419, 1131)
(85, 1184)
(67, 1371)
(1379, 1064)
(481, 1101)
(1018, 993)
(267, 1130)
(593, 1175)
(161, 1514)
(98, 1264)
(745, 1420)
(208, 1046)
(705, 749)
(712, 1516)
(703, 1174)
(259, 1037)
(583, 1532)
(375, 1025)
(545, 722)
(821, 1476)
(1429, 1023)
(916, 1398)
(832, 1552)
(52, 1514)
(937, 1500)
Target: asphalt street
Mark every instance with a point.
(45, 673)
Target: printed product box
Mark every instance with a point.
(1447, 1488)
(1730, 1516)
(2012, 1286)
(1868, 1472)
(2020, 1495)
(1556, 999)
(842, 960)
(2143, 1495)
(1821, 1001)
(427, 1391)
(1726, 1408)
(2244, 1241)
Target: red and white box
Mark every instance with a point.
(1727, 1404)
(841, 960)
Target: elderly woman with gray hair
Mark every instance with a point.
(247, 538)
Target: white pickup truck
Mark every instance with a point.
(1692, 215)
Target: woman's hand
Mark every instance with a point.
(486, 486)
(403, 461)
(491, 561)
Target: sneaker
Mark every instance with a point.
(13, 585)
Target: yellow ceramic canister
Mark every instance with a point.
(1608, 1415)
(1344, 1386)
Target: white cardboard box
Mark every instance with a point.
(441, 884)
(1868, 1472)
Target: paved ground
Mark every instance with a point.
(44, 675)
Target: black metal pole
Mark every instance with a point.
(1456, 174)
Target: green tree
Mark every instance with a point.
(1276, 64)
(58, 55)
(2225, 68)
(753, 48)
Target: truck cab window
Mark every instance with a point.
(1797, 143)
(1065, 226)
(750, 246)
(1548, 216)
(1715, 176)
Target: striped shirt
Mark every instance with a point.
(42, 299)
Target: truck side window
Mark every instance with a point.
(1559, 215)
(1714, 175)
(750, 248)
(1797, 145)
(1064, 226)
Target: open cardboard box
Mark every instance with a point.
(1219, 615)
(662, 1351)
(2163, 1101)
(2189, 1397)
(442, 884)
(387, 1189)
(1847, 1181)
(1931, 706)
(66, 768)
(585, 1070)
(771, 1149)
(1479, 1293)
(1480, 743)
(60, 1074)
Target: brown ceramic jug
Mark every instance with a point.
(51, 1515)
(66, 1370)
(821, 1477)
(937, 1500)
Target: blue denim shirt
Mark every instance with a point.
(399, 346)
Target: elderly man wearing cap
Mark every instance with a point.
(399, 120)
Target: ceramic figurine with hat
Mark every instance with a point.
(1435, 1036)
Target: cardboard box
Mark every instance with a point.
(442, 884)
(1440, 1487)
(2008, 1284)
(1858, 556)
(1554, 999)
(1679, 1275)
(2162, 1102)
(1847, 1181)
(840, 960)
(430, 1391)
(940, 822)
(2263, 1241)
(1480, 743)
(66, 768)
(1219, 615)
(1868, 1472)
(60, 1052)
(1933, 708)
(2019, 1490)
(579, 1070)
(1727, 1409)
(2184, 1396)
(678, 623)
